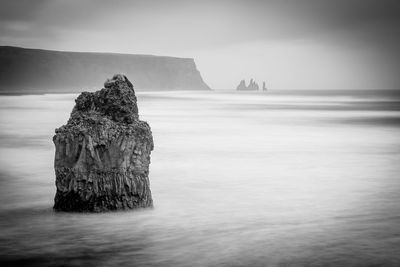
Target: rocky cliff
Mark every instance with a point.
(42, 71)
(103, 153)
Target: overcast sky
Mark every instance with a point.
(326, 44)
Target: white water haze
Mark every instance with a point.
(238, 179)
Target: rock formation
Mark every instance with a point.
(242, 86)
(103, 153)
(264, 87)
(253, 86)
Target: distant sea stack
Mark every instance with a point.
(264, 87)
(103, 153)
(253, 86)
(43, 71)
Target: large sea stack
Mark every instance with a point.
(103, 153)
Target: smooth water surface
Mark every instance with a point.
(238, 179)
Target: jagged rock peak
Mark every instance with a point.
(242, 85)
(116, 101)
(118, 80)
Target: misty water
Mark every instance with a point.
(238, 179)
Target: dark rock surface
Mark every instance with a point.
(103, 153)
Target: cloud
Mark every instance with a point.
(208, 29)
(193, 24)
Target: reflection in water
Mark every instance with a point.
(237, 179)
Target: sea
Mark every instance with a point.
(276, 178)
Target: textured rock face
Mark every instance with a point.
(103, 153)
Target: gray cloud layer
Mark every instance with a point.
(178, 27)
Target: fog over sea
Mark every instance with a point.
(286, 178)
